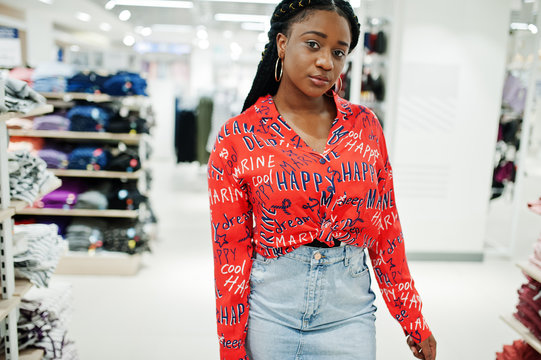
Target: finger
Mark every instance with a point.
(416, 352)
(426, 350)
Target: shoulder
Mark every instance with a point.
(363, 116)
(234, 129)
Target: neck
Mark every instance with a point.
(292, 99)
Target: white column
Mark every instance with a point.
(39, 37)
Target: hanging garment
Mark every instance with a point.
(185, 136)
(204, 123)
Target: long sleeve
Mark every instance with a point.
(232, 223)
(389, 261)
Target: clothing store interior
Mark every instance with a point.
(109, 111)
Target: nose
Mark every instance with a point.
(324, 61)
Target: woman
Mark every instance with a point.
(299, 185)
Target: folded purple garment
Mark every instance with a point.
(64, 197)
(51, 122)
(55, 159)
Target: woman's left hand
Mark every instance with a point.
(425, 350)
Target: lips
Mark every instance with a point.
(319, 80)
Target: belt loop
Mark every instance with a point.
(347, 255)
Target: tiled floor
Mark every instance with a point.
(166, 311)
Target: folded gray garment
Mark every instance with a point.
(92, 200)
(20, 89)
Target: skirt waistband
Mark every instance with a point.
(309, 254)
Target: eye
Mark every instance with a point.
(313, 44)
(339, 53)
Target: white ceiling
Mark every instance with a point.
(62, 13)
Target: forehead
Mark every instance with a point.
(327, 22)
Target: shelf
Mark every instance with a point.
(29, 354)
(6, 214)
(129, 139)
(18, 205)
(103, 263)
(130, 214)
(523, 331)
(22, 286)
(101, 174)
(44, 109)
(77, 96)
(531, 270)
(7, 305)
(69, 96)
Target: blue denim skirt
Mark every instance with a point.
(312, 303)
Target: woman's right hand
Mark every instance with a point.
(426, 350)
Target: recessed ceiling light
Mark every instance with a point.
(128, 40)
(146, 31)
(105, 26)
(203, 44)
(83, 16)
(124, 15)
(48, 2)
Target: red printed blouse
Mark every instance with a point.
(271, 193)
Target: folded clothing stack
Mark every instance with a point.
(529, 306)
(38, 248)
(127, 160)
(20, 97)
(131, 124)
(51, 122)
(29, 177)
(125, 83)
(125, 196)
(86, 82)
(52, 76)
(92, 199)
(44, 318)
(65, 197)
(22, 73)
(85, 233)
(519, 350)
(54, 158)
(28, 144)
(89, 158)
(88, 118)
(126, 236)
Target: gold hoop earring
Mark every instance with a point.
(276, 77)
(340, 88)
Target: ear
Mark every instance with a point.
(281, 42)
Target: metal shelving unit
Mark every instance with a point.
(11, 292)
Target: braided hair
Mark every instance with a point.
(288, 12)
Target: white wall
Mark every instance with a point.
(449, 89)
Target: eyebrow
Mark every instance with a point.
(324, 36)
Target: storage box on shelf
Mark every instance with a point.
(98, 263)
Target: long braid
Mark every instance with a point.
(286, 13)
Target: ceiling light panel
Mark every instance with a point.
(150, 3)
